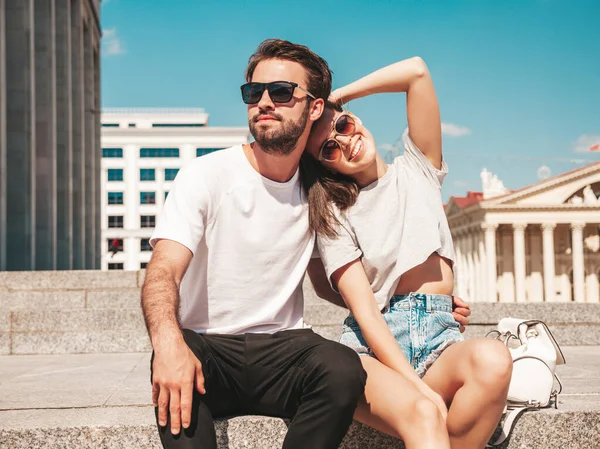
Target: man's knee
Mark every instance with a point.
(342, 373)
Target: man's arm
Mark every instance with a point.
(175, 368)
(318, 277)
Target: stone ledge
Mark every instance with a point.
(77, 342)
(133, 427)
(77, 320)
(67, 280)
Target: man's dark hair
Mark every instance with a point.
(318, 80)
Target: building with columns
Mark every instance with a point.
(142, 151)
(540, 243)
(49, 134)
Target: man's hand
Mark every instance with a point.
(175, 372)
(461, 312)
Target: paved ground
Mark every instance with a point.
(42, 385)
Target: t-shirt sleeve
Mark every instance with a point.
(339, 251)
(184, 214)
(417, 161)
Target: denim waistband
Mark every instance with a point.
(427, 302)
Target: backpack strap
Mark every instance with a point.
(507, 426)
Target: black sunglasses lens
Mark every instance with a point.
(331, 151)
(281, 92)
(252, 92)
(345, 125)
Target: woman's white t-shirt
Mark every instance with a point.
(396, 223)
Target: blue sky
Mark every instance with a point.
(518, 80)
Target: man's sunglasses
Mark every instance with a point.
(279, 91)
(344, 125)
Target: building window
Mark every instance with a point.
(143, 265)
(170, 173)
(132, 125)
(147, 221)
(147, 174)
(115, 245)
(110, 125)
(166, 195)
(115, 266)
(177, 125)
(159, 152)
(115, 174)
(115, 221)
(112, 152)
(145, 245)
(205, 151)
(115, 197)
(147, 197)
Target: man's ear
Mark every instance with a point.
(316, 109)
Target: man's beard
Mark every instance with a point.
(280, 141)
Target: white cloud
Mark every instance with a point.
(450, 129)
(111, 44)
(585, 141)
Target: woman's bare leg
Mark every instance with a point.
(473, 378)
(391, 404)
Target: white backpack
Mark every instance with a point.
(535, 354)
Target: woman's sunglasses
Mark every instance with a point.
(279, 91)
(331, 150)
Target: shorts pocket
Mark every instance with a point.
(445, 319)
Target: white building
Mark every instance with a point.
(142, 150)
(540, 243)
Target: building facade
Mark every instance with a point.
(540, 243)
(49, 134)
(142, 151)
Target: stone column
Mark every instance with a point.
(64, 143)
(507, 292)
(549, 263)
(490, 252)
(89, 153)
(2, 139)
(536, 283)
(469, 259)
(78, 142)
(98, 154)
(45, 135)
(20, 135)
(482, 272)
(519, 255)
(578, 266)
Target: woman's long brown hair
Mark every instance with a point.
(324, 189)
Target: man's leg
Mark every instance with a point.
(313, 381)
(221, 361)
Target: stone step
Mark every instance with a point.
(103, 401)
(133, 427)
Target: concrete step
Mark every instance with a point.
(133, 427)
(87, 312)
(103, 401)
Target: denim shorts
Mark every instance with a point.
(422, 325)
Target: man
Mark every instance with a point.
(230, 252)
(222, 297)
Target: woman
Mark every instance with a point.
(386, 247)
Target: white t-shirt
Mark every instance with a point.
(251, 243)
(396, 223)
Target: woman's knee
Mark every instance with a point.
(491, 362)
(425, 414)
